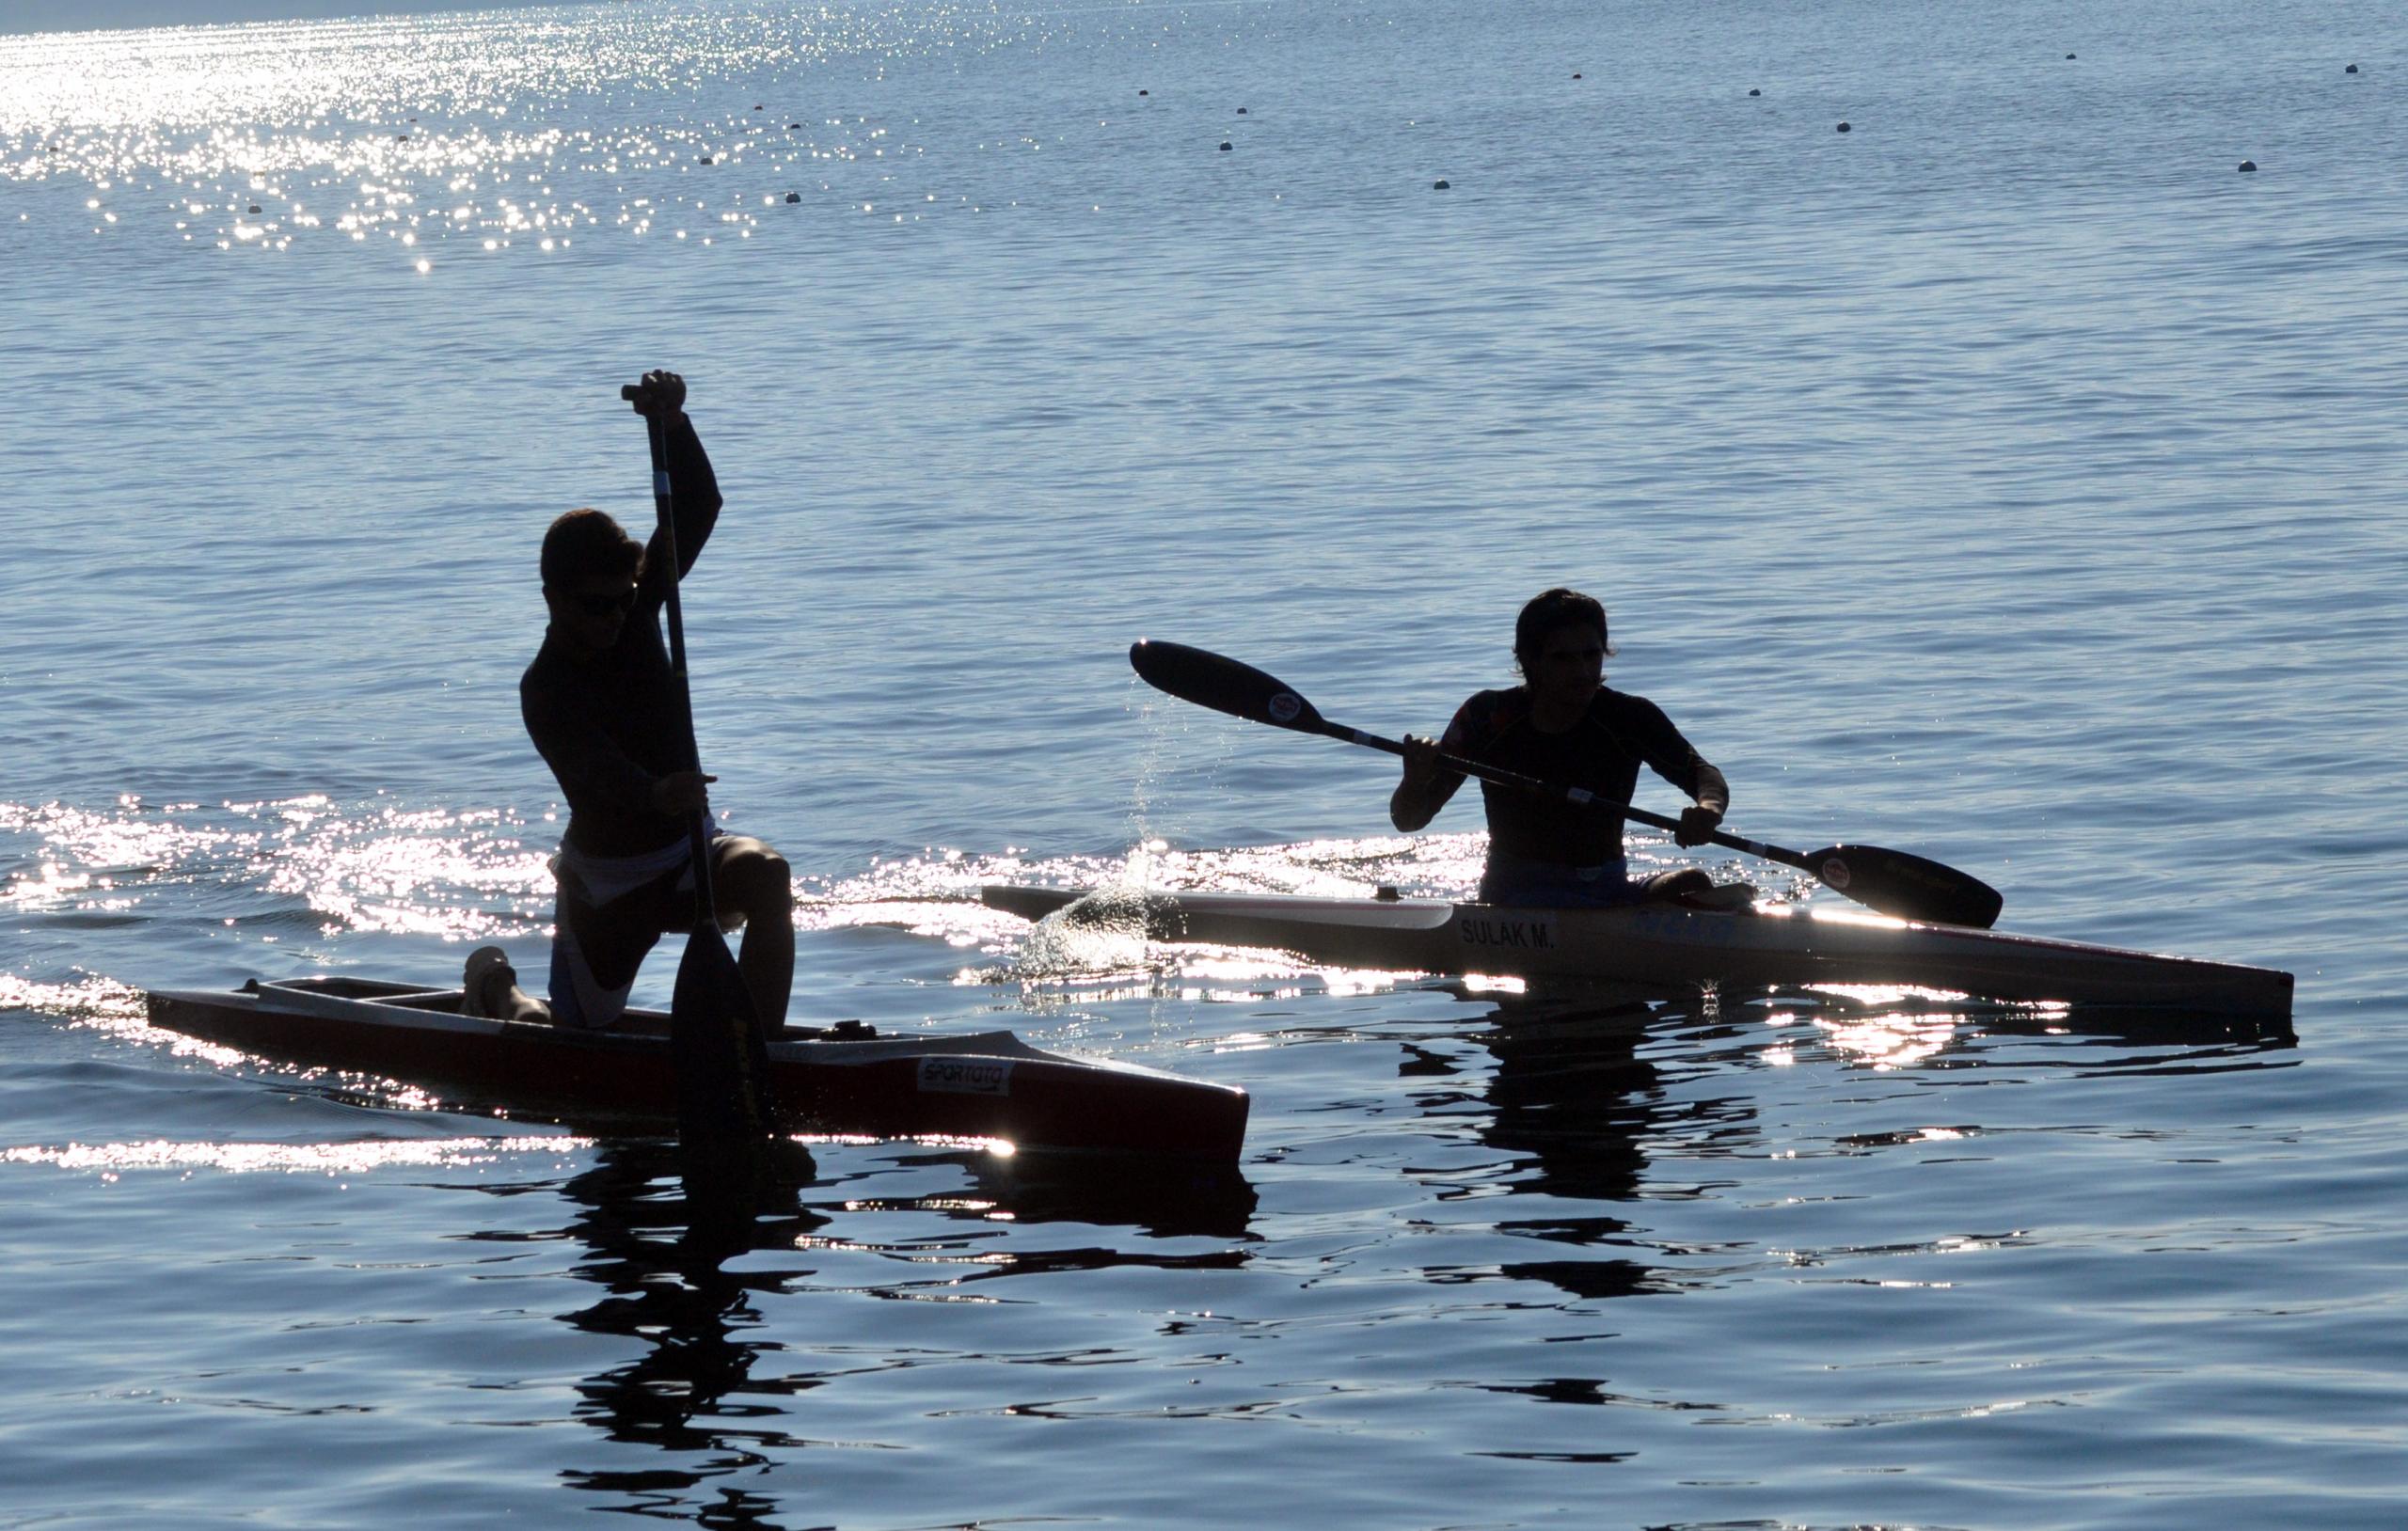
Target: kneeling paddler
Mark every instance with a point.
(602, 704)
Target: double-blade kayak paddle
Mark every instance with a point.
(1893, 881)
(726, 1110)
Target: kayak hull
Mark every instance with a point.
(1671, 944)
(987, 1085)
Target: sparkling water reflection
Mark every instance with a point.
(2007, 479)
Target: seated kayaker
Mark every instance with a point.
(602, 704)
(1563, 725)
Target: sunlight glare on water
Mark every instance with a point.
(2010, 480)
(112, 1160)
(519, 130)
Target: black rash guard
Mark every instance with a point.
(613, 725)
(1601, 752)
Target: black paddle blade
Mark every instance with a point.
(1223, 685)
(725, 1104)
(1907, 886)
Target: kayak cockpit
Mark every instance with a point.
(345, 989)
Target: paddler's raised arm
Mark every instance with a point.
(693, 486)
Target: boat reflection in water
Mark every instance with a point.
(714, 1385)
(665, 1268)
(1583, 1080)
(1570, 1100)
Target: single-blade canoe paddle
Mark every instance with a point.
(1893, 881)
(726, 1110)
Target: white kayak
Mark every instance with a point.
(1671, 944)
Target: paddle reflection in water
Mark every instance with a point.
(692, 1391)
(740, 1316)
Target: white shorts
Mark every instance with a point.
(628, 898)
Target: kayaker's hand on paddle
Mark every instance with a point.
(660, 393)
(681, 792)
(1409, 806)
(1698, 823)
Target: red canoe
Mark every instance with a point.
(848, 1081)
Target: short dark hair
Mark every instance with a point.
(1549, 612)
(586, 544)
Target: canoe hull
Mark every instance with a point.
(1668, 944)
(987, 1085)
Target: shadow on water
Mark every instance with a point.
(690, 1278)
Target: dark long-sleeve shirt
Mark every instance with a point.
(1601, 752)
(613, 725)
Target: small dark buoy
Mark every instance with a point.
(400, 137)
(1755, 92)
(793, 197)
(2249, 166)
(1225, 146)
(1439, 185)
(1241, 111)
(1844, 128)
(756, 105)
(1576, 75)
(2069, 56)
(255, 208)
(706, 159)
(2352, 70)
(794, 127)
(1145, 92)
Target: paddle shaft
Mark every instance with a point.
(1575, 795)
(665, 506)
(726, 1109)
(1895, 882)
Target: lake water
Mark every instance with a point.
(2009, 478)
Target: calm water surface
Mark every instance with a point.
(2008, 478)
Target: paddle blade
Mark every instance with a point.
(724, 1100)
(1911, 887)
(1223, 685)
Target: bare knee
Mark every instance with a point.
(755, 883)
(1680, 884)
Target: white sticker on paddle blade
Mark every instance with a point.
(1284, 706)
(1835, 872)
(965, 1076)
